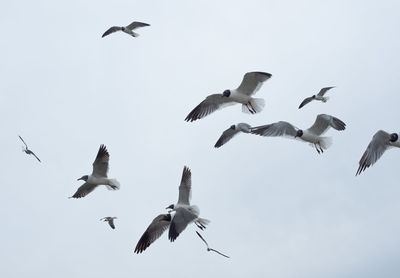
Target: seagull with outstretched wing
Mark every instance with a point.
(231, 132)
(251, 83)
(312, 135)
(320, 96)
(110, 220)
(127, 29)
(98, 176)
(381, 141)
(27, 150)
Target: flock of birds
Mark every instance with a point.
(181, 214)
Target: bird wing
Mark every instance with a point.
(305, 101)
(23, 141)
(35, 156)
(226, 136)
(153, 232)
(252, 82)
(207, 106)
(323, 122)
(202, 238)
(84, 190)
(324, 90)
(179, 222)
(111, 222)
(275, 129)
(136, 24)
(378, 145)
(185, 187)
(111, 30)
(216, 251)
(100, 164)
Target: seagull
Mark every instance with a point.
(28, 151)
(208, 248)
(319, 96)
(380, 142)
(98, 176)
(184, 212)
(127, 29)
(231, 132)
(156, 228)
(251, 83)
(110, 221)
(312, 135)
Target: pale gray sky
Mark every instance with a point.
(276, 207)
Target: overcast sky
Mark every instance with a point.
(276, 207)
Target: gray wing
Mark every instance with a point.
(276, 129)
(226, 136)
(185, 187)
(136, 24)
(35, 156)
(111, 223)
(179, 222)
(378, 145)
(153, 232)
(252, 82)
(323, 122)
(111, 30)
(324, 90)
(100, 164)
(207, 106)
(23, 141)
(305, 101)
(84, 190)
(201, 237)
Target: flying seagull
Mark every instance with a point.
(251, 83)
(319, 96)
(98, 176)
(127, 29)
(27, 150)
(110, 221)
(380, 142)
(156, 228)
(208, 248)
(184, 212)
(231, 132)
(312, 135)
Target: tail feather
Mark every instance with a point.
(325, 142)
(255, 105)
(113, 185)
(325, 99)
(202, 221)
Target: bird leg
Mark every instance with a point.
(315, 145)
(322, 150)
(251, 108)
(200, 226)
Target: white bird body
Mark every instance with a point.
(237, 96)
(99, 180)
(321, 98)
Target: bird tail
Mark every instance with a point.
(325, 142)
(202, 222)
(254, 105)
(113, 184)
(325, 99)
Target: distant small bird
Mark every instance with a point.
(231, 132)
(381, 141)
(127, 29)
(28, 151)
(110, 220)
(251, 83)
(312, 135)
(98, 176)
(156, 228)
(319, 96)
(208, 248)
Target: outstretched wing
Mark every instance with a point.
(323, 122)
(226, 136)
(111, 30)
(35, 156)
(378, 145)
(305, 101)
(202, 238)
(111, 223)
(23, 141)
(137, 24)
(84, 190)
(100, 164)
(185, 187)
(207, 106)
(276, 129)
(252, 82)
(153, 232)
(324, 90)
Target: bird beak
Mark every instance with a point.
(79, 179)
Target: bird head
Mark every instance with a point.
(84, 178)
(299, 133)
(171, 207)
(233, 127)
(226, 93)
(393, 137)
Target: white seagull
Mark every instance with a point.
(251, 83)
(320, 96)
(156, 228)
(27, 150)
(110, 220)
(127, 29)
(311, 135)
(184, 212)
(208, 248)
(98, 176)
(381, 141)
(231, 132)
